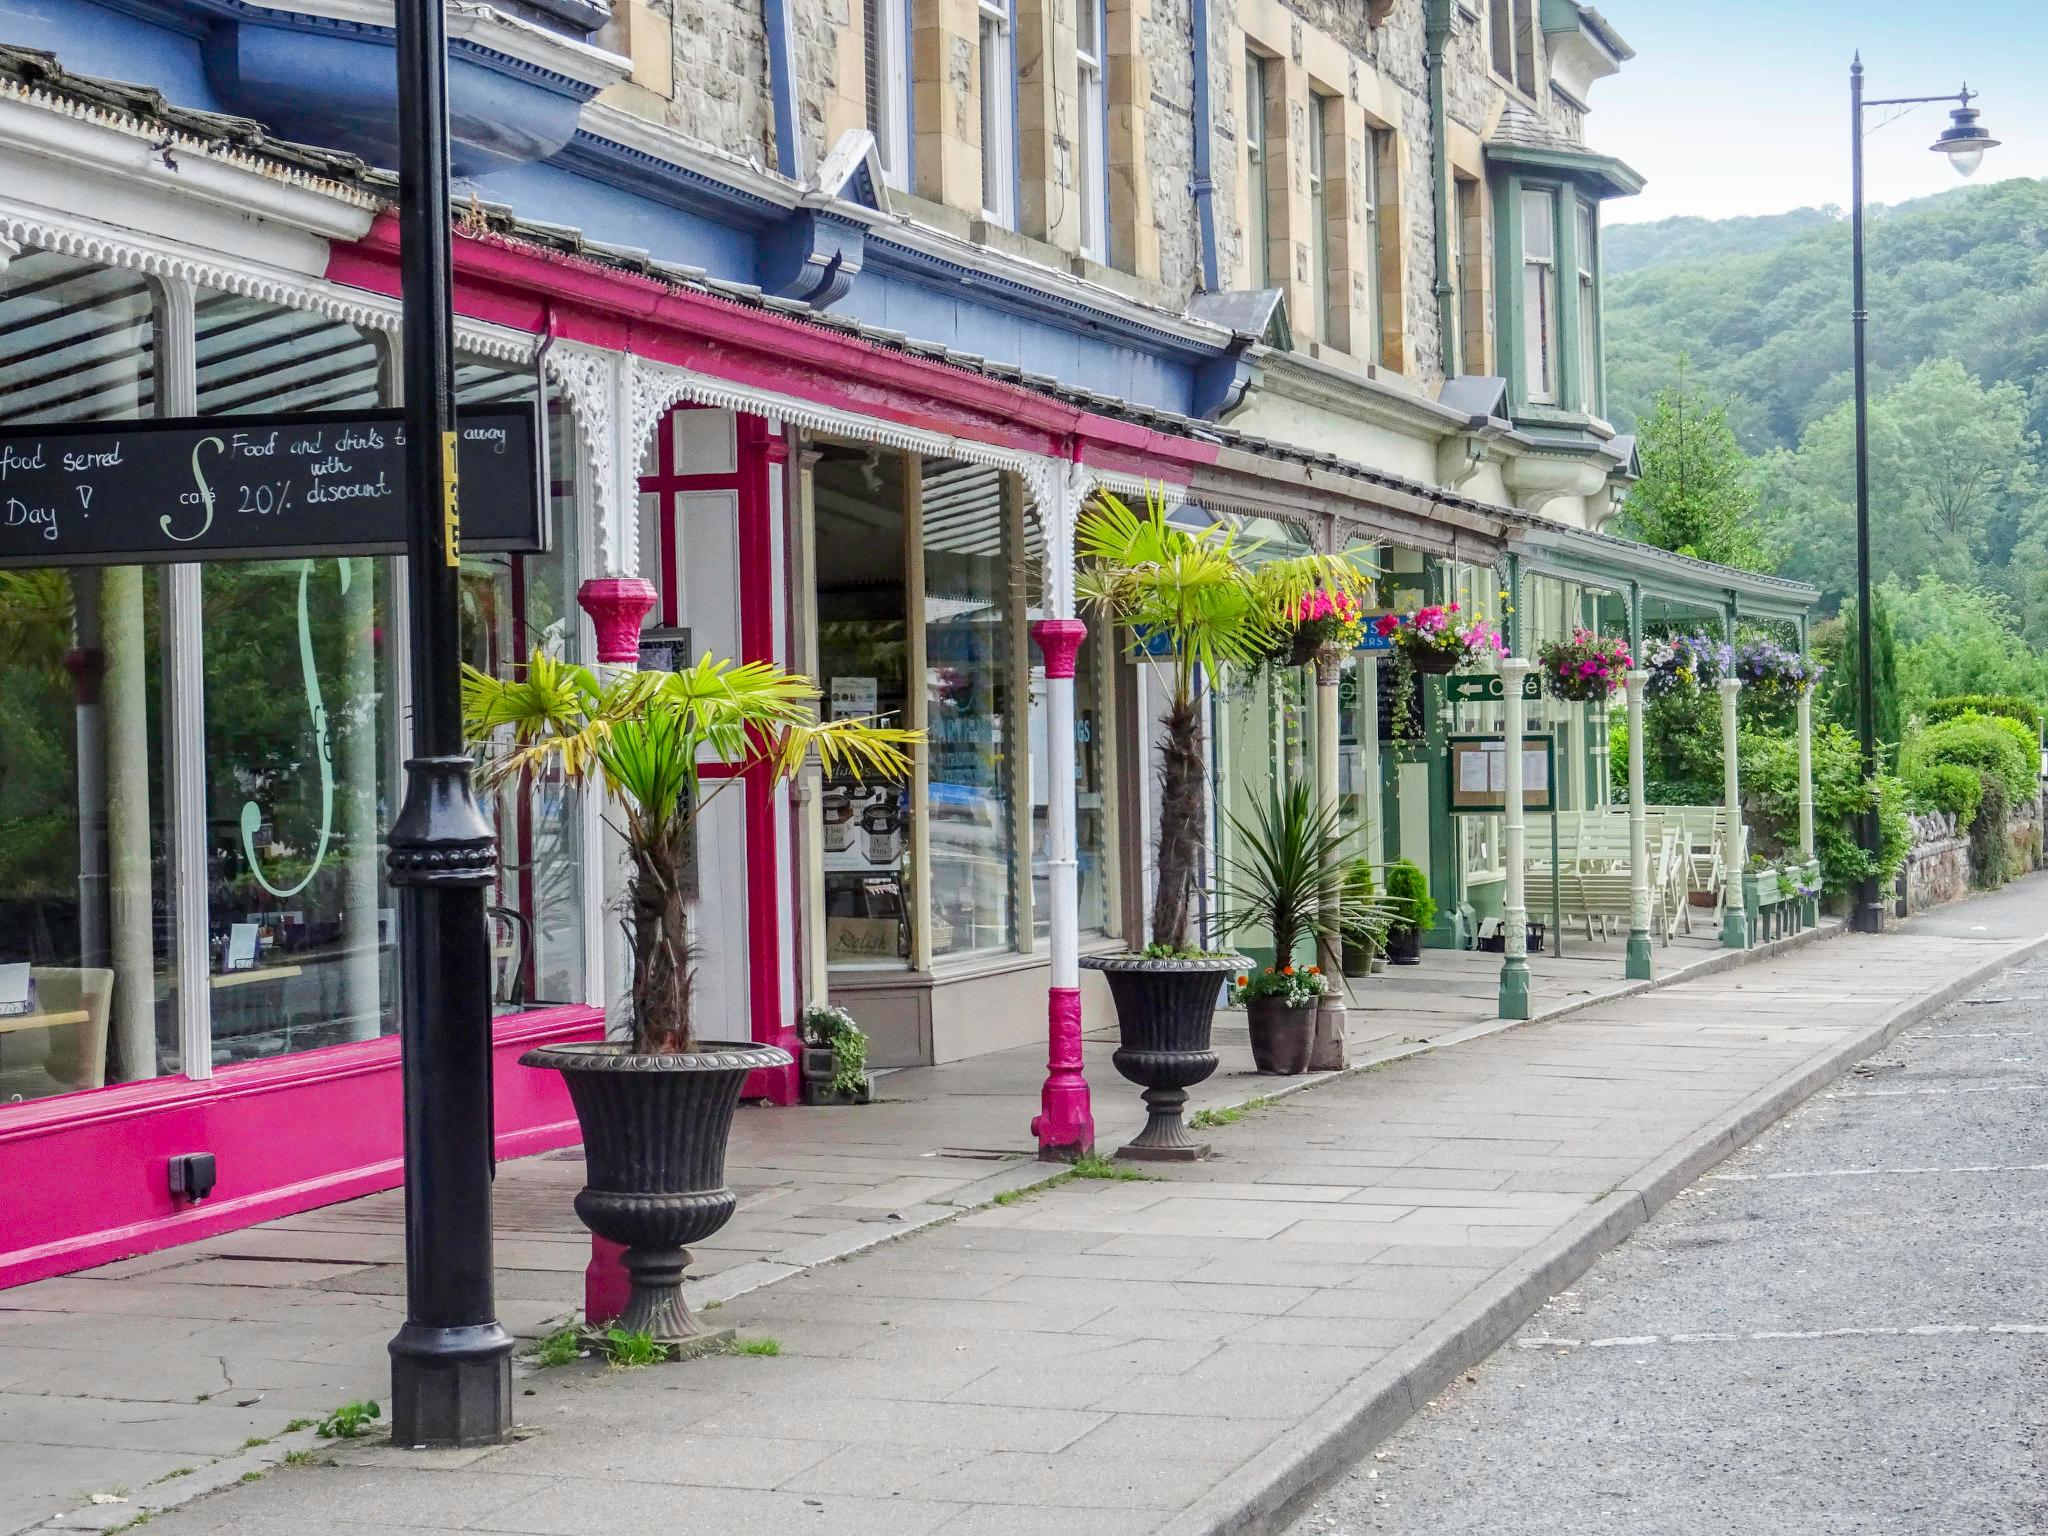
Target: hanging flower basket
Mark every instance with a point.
(1773, 674)
(1685, 663)
(1586, 669)
(1436, 640)
(1322, 621)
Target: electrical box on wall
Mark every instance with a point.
(192, 1176)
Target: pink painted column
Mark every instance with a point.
(1065, 1125)
(618, 606)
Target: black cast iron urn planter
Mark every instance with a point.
(1164, 1010)
(654, 1136)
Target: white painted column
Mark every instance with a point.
(1734, 918)
(1369, 756)
(1638, 966)
(1514, 965)
(1809, 906)
(1327, 1054)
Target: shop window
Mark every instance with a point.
(998, 114)
(1090, 129)
(1258, 211)
(885, 61)
(513, 605)
(301, 738)
(87, 994)
(1539, 296)
(971, 536)
(859, 498)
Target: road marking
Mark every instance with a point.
(1895, 1093)
(1784, 1335)
(1866, 1173)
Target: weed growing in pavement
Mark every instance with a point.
(252, 1477)
(253, 1441)
(629, 1351)
(1095, 1166)
(1229, 1114)
(557, 1349)
(757, 1347)
(348, 1421)
(176, 1472)
(298, 1424)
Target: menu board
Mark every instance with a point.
(1479, 773)
(253, 487)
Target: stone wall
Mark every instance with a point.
(1939, 867)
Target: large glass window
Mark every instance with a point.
(971, 540)
(513, 605)
(859, 497)
(1539, 296)
(85, 990)
(1258, 259)
(301, 728)
(998, 113)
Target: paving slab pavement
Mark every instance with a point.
(1161, 1355)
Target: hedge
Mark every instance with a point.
(1989, 744)
(2010, 705)
(1949, 787)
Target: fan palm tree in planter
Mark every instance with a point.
(1408, 891)
(1290, 879)
(656, 1109)
(1194, 609)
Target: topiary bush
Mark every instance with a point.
(2009, 705)
(1949, 787)
(1990, 744)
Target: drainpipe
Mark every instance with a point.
(782, 86)
(1201, 182)
(1436, 39)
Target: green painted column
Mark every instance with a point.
(1809, 906)
(1639, 966)
(1514, 965)
(1734, 919)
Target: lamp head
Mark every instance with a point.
(1964, 140)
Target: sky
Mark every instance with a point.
(1742, 106)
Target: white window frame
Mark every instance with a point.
(1585, 241)
(887, 87)
(1091, 160)
(1258, 205)
(998, 114)
(1539, 321)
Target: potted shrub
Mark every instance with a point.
(1289, 878)
(1408, 892)
(1365, 947)
(1586, 669)
(835, 1057)
(656, 1108)
(1194, 609)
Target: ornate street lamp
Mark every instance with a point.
(1964, 142)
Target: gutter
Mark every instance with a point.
(1436, 39)
(1201, 179)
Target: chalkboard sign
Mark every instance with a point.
(252, 487)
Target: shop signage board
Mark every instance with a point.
(253, 487)
(1479, 774)
(1486, 688)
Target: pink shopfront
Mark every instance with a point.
(198, 761)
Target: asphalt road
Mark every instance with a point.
(1844, 1328)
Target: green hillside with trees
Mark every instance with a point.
(1728, 347)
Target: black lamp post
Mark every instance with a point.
(1964, 142)
(451, 1364)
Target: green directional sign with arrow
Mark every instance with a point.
(1485, 688)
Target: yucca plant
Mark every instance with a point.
(643, 737)
(1192, 594)
(1290, 875)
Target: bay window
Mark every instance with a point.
(1586, 256)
